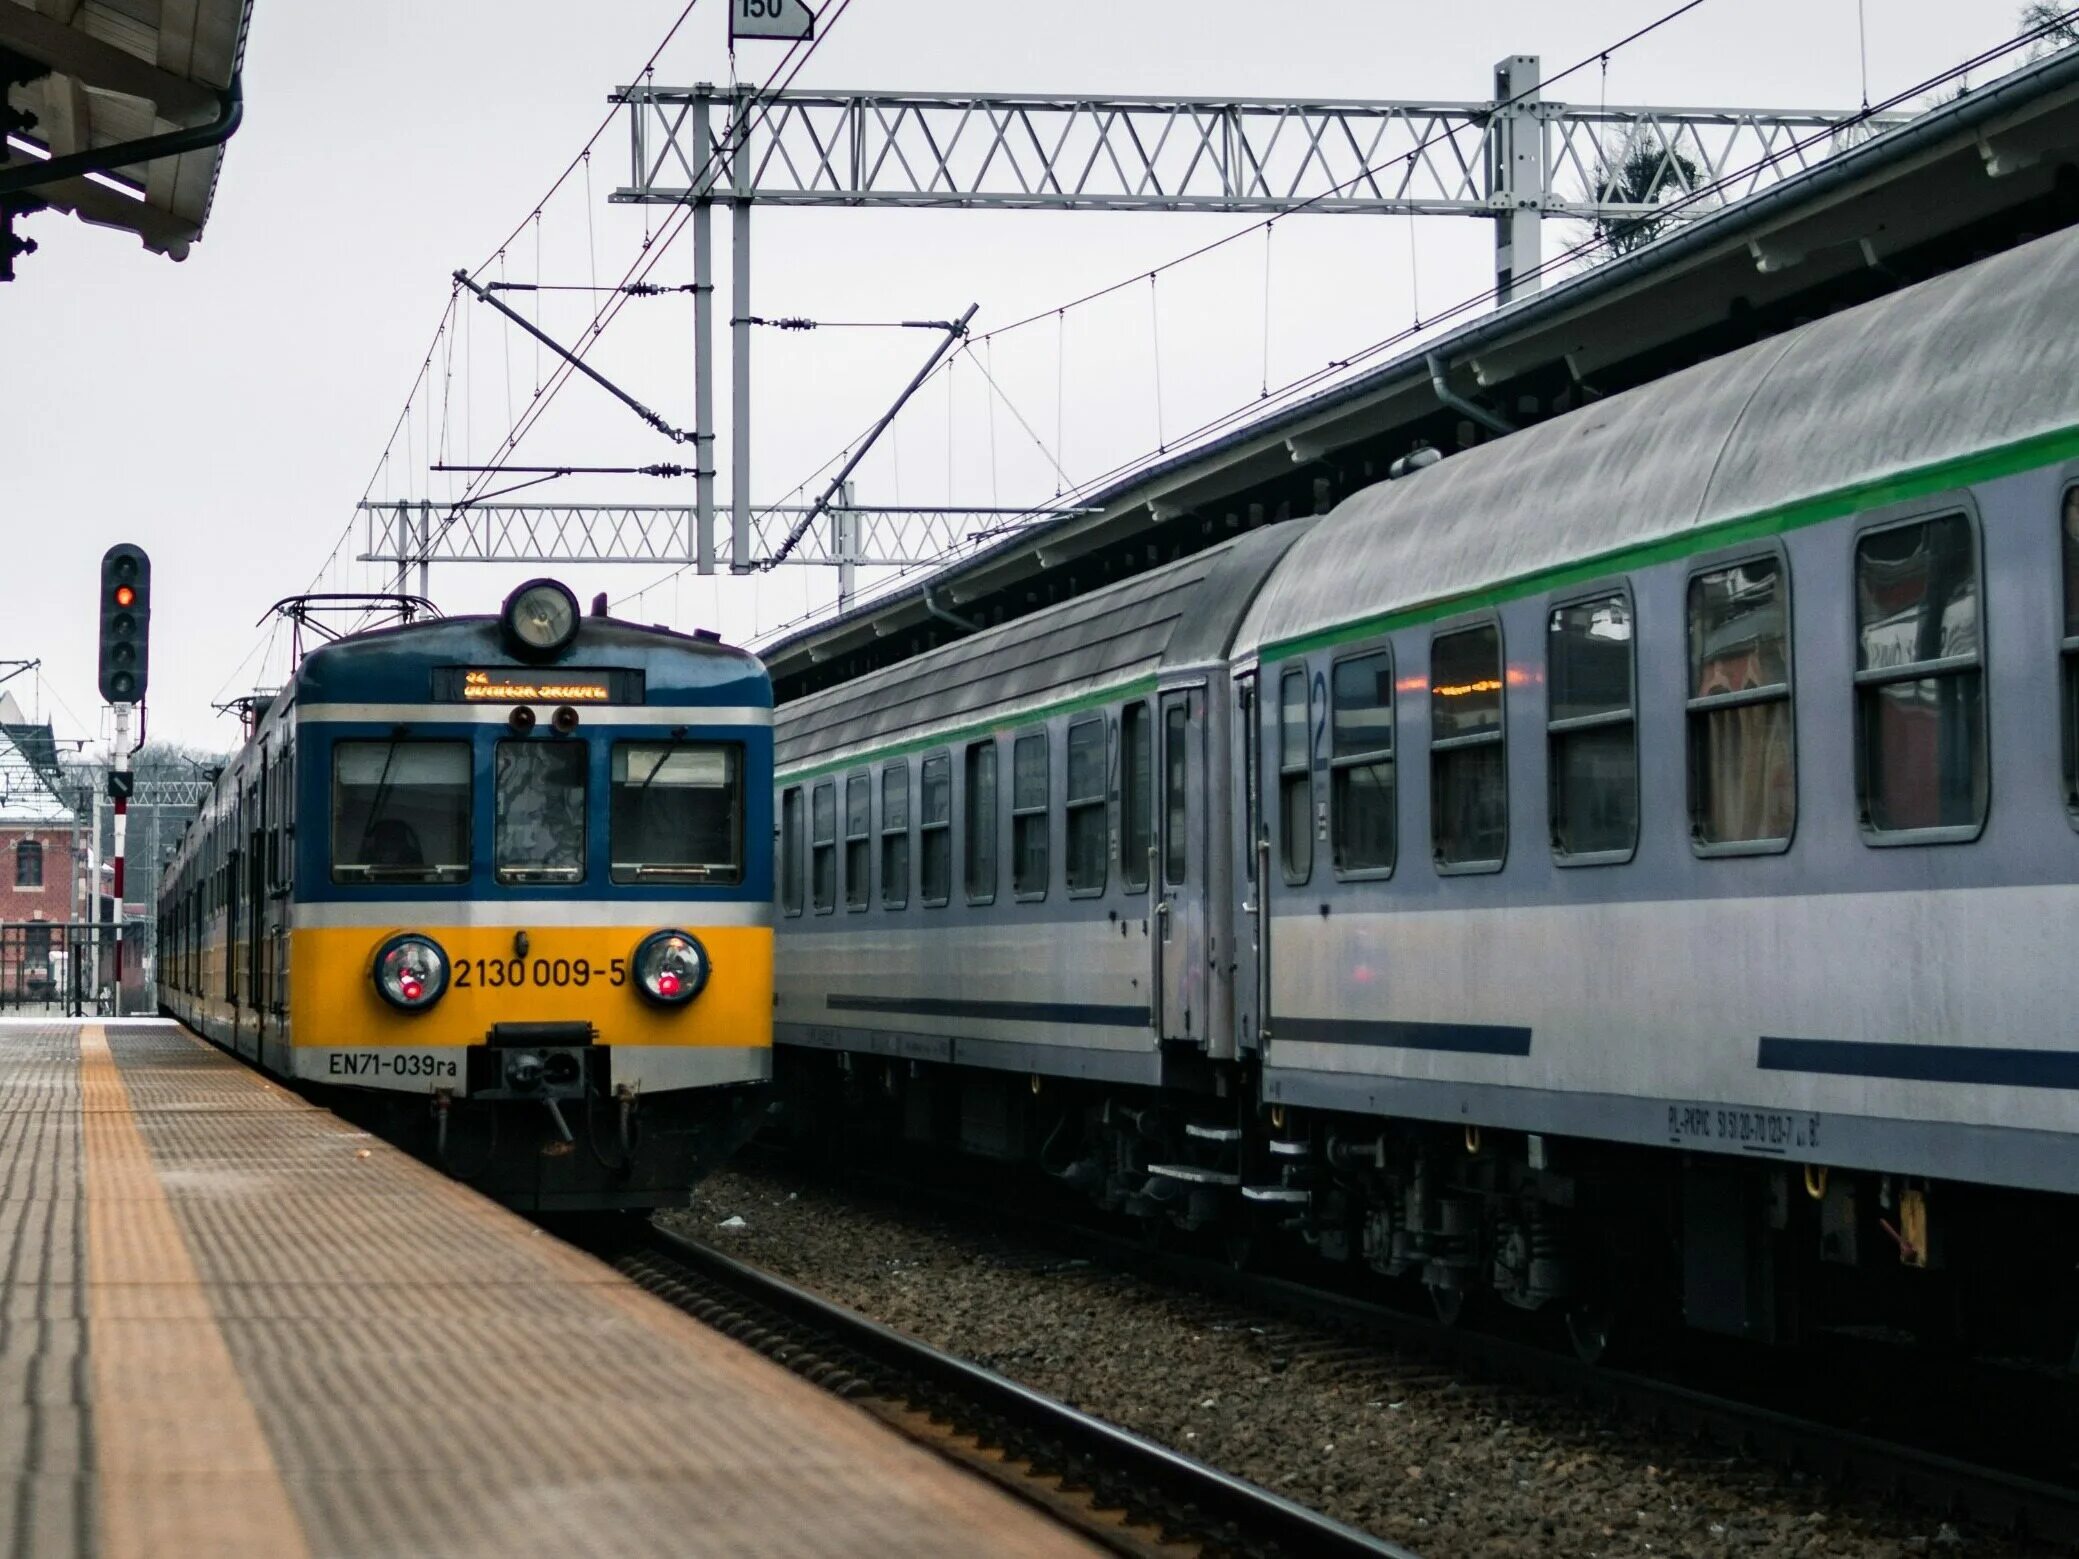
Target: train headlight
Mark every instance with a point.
(539, 618)
(411, 972)
(671, 967)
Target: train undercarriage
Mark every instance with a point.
(1618, 1245)
(595, 1154)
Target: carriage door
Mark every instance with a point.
(1247, 849)
(1180, 912)
(259, 804)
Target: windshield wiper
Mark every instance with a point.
(662, 758)
(382, 794)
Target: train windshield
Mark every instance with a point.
(400, 811)
(677, 812)
(541, 811)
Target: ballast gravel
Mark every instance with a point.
(1401, 1448)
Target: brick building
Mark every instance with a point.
(40, 838)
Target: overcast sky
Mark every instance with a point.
(227, 413)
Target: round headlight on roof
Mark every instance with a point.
(540, 617)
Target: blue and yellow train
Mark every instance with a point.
(500, 881)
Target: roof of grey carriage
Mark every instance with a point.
(1180, 614)
(1977, 361)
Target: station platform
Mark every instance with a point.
(233, 1324)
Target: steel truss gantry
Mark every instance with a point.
(1515, 154)
(851, 536)
(1514, 159)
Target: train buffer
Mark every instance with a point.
(230, 1323)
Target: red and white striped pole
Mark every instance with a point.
(119, 792)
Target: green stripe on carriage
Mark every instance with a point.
(1137, 688)
(2029, 454)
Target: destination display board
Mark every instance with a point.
(524, 685)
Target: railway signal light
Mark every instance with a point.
(126, 619)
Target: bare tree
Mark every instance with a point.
(2060, 29)
(1643, 172)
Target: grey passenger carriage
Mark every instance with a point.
(1641, 854)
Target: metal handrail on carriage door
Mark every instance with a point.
(1157, 931)
(1256, 840)
(1158, 875)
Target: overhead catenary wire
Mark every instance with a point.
(1268, 229)
(380, 469)
(1407, 159)
(647, 259)
(591, 237)
(1155, 341)
(1060, 396)
(995, 493)
(1011, 406)
(654, 248)
(1299, 384)
(639, 270)
(1862, 44)
(580, 161)
(1319, 378)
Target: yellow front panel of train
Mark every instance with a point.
(567, 974)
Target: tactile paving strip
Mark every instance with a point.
(428, 1374)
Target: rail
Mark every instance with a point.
(1126, 1493)
(1717, 1403)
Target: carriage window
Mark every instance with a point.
(858, 839)
(1295, 784)
(1468, 798)
(1029, 816)
(540, 831)
(1136, 796)
(400, 813)
(2070, 655)
(1176, 781)
(790, 851)
(1742, 777)
(1919, 680)
(1592, 750)
(981, 822)
(823, 849)
(1360, 764)
(1089, 830)
(935, 829)
(677, 812)
(895, 835)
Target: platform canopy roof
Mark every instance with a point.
(108, 73)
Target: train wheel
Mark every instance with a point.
(1449, 1303)
(1591, 1326)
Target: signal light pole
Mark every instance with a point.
(126, 617)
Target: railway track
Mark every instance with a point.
(1944, 1485)
(1124, 1492)
(1707, 1409)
